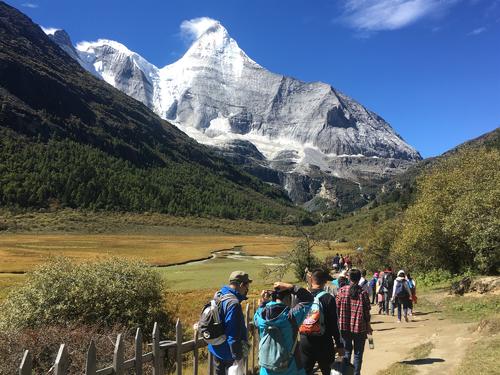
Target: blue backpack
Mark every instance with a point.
(274, 352)
(401, 291)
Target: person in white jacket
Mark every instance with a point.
(401, 294)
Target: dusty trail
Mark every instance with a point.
(394, 341)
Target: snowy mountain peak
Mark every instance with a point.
(218, 95)
(211, 42)
(91, 47)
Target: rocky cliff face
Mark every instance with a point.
(293, 130)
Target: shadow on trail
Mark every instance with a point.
(384, 329)
(417, 313)
(423, 361)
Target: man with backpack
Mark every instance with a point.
(222, 323)
(401, 295)
(353, 309)
(320, 328)
(278, 326)
(387, 289)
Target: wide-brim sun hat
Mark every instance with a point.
(401, 272)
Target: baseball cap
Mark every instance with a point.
(239, 277)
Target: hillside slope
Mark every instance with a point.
(70, 139)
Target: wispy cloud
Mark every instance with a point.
(378, 15)
(477, 31)
(29, 5)
(194, 28)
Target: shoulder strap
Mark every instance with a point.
(295, 333)
(320, 294)
(220, 298)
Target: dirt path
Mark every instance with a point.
(394, 341)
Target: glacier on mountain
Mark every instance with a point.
(218, 95)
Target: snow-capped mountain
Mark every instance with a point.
(220, 96)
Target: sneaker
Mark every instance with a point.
(406, 319)
(399, 321)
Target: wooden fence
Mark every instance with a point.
(160, 350)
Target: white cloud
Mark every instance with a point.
(49, 30)
(378, 15)
(29, 5)
(194, 28)
(477, 31)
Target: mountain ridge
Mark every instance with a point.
(310, 134)
(52, 109)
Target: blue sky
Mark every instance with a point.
(431, 68)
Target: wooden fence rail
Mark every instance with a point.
(159, 351)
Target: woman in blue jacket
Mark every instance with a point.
(278, 326)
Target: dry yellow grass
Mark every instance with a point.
(22, 252)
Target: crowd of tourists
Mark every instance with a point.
(325, 324)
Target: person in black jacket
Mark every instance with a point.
(316, 347)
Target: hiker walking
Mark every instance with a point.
(335, 263)
(364, 283)
(341, 262)
(380, 294)
(401, 295)
(320, 328)
(413, 295)
(387, 289)
(373, 287)
(340, 281)
(278, 327)
(353, 309)
(228, 301)
(347, 262)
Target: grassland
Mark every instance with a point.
(22, 252)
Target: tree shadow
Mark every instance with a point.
(376, 322)
(423, 361)
(384, 329)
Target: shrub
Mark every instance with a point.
(44, 342)
(106, 292)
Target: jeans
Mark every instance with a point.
(402, 302)
(387, 301)
(354, 341)
(374, 296)
(221, 366)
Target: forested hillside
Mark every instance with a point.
(453, 218)
(71, 140)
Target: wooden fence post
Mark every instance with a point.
(61, 365)
(157, 357)
(118, 356)
(247, 323)
(138, 352)
(90, 365)
(210, 363)
(254, 339)
(195, 352)
(26, 363)
(178, 350)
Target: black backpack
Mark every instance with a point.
(210, 326)
(388, 281)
